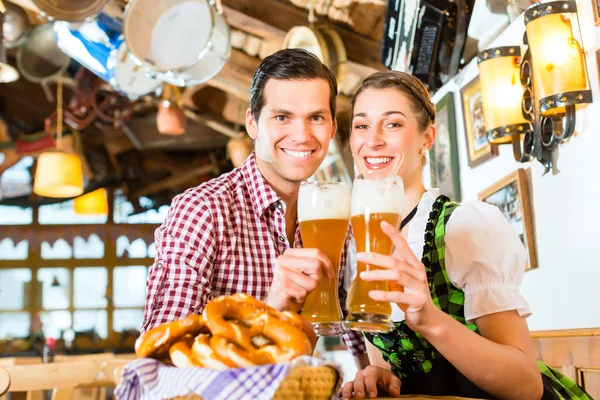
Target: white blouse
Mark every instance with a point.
(484, 257)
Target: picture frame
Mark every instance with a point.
(598, 63)
(443, 158)
(512, 196)
(479, 150)
(596, 7)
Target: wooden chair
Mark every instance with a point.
(4, 381)
(62, 378)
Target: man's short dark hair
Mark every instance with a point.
(289, 64)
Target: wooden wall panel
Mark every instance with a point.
(574, 352)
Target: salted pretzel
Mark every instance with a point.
(261, 320)
(205, 354)
(181, 353)
(157, 341)
(233, 331)
(287, 316)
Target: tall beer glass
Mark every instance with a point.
(373, 201)
(324, 212)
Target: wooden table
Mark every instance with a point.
(420, 397)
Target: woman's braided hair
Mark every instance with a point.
(409, 85)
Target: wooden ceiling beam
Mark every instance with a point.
(285, 16)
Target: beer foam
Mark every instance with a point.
(377, 196)
(323, 200)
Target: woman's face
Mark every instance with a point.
(385, 134)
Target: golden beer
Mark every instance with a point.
(375, 201)
(376, 242)
(323, 212)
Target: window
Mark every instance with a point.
(14, 288)
(59, 250)
(55, 288)
(16, 184)
(126, 213)
(89, 287)
(14, 325)
(136, 249)
(10, 250)
(93, 247)
(82, 277)
(63, 213)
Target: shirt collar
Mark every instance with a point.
(262, 195)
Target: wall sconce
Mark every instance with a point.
(502, 94)
(554, 78)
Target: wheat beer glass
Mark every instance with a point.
(323, 213)
(373, 200)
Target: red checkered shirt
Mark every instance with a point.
(220, 238)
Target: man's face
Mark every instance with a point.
(295, 126)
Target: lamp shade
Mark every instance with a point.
(559, 68)
(502, 93)
(58, 175)
(93, 203)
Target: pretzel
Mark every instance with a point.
(205, 354)
(234, 331)
(262, 320)
(287, 316)
(157, 341)
(181, 353)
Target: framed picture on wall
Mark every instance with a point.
(443, 159)
(598, 62)
(478, 148)
(596, 7)
(511, 195)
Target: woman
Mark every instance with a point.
(463, 331)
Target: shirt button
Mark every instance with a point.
(159, 265)
(281, 239)
(279, 206)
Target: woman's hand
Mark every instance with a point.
(367, 381)
(408, 285)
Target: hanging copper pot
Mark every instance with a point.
(171, 119)
(70, 10)
(239, 149)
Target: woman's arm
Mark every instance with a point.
(501, 361)
(375, 356)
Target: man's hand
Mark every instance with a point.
(297, 274)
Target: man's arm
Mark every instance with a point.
(179, 282)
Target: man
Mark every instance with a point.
(238, 232)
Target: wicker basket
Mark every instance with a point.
(303, 383)
(308, 383)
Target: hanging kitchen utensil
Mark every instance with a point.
(323, 41)
(7, 72)
(40, 60)
(160, 39)
(70, 10)
(16, 26)
(171, 119)
(100, 46)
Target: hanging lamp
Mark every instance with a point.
(93, 203)
(58, 174)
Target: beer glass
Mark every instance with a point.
(323, 213)
(373, 201)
